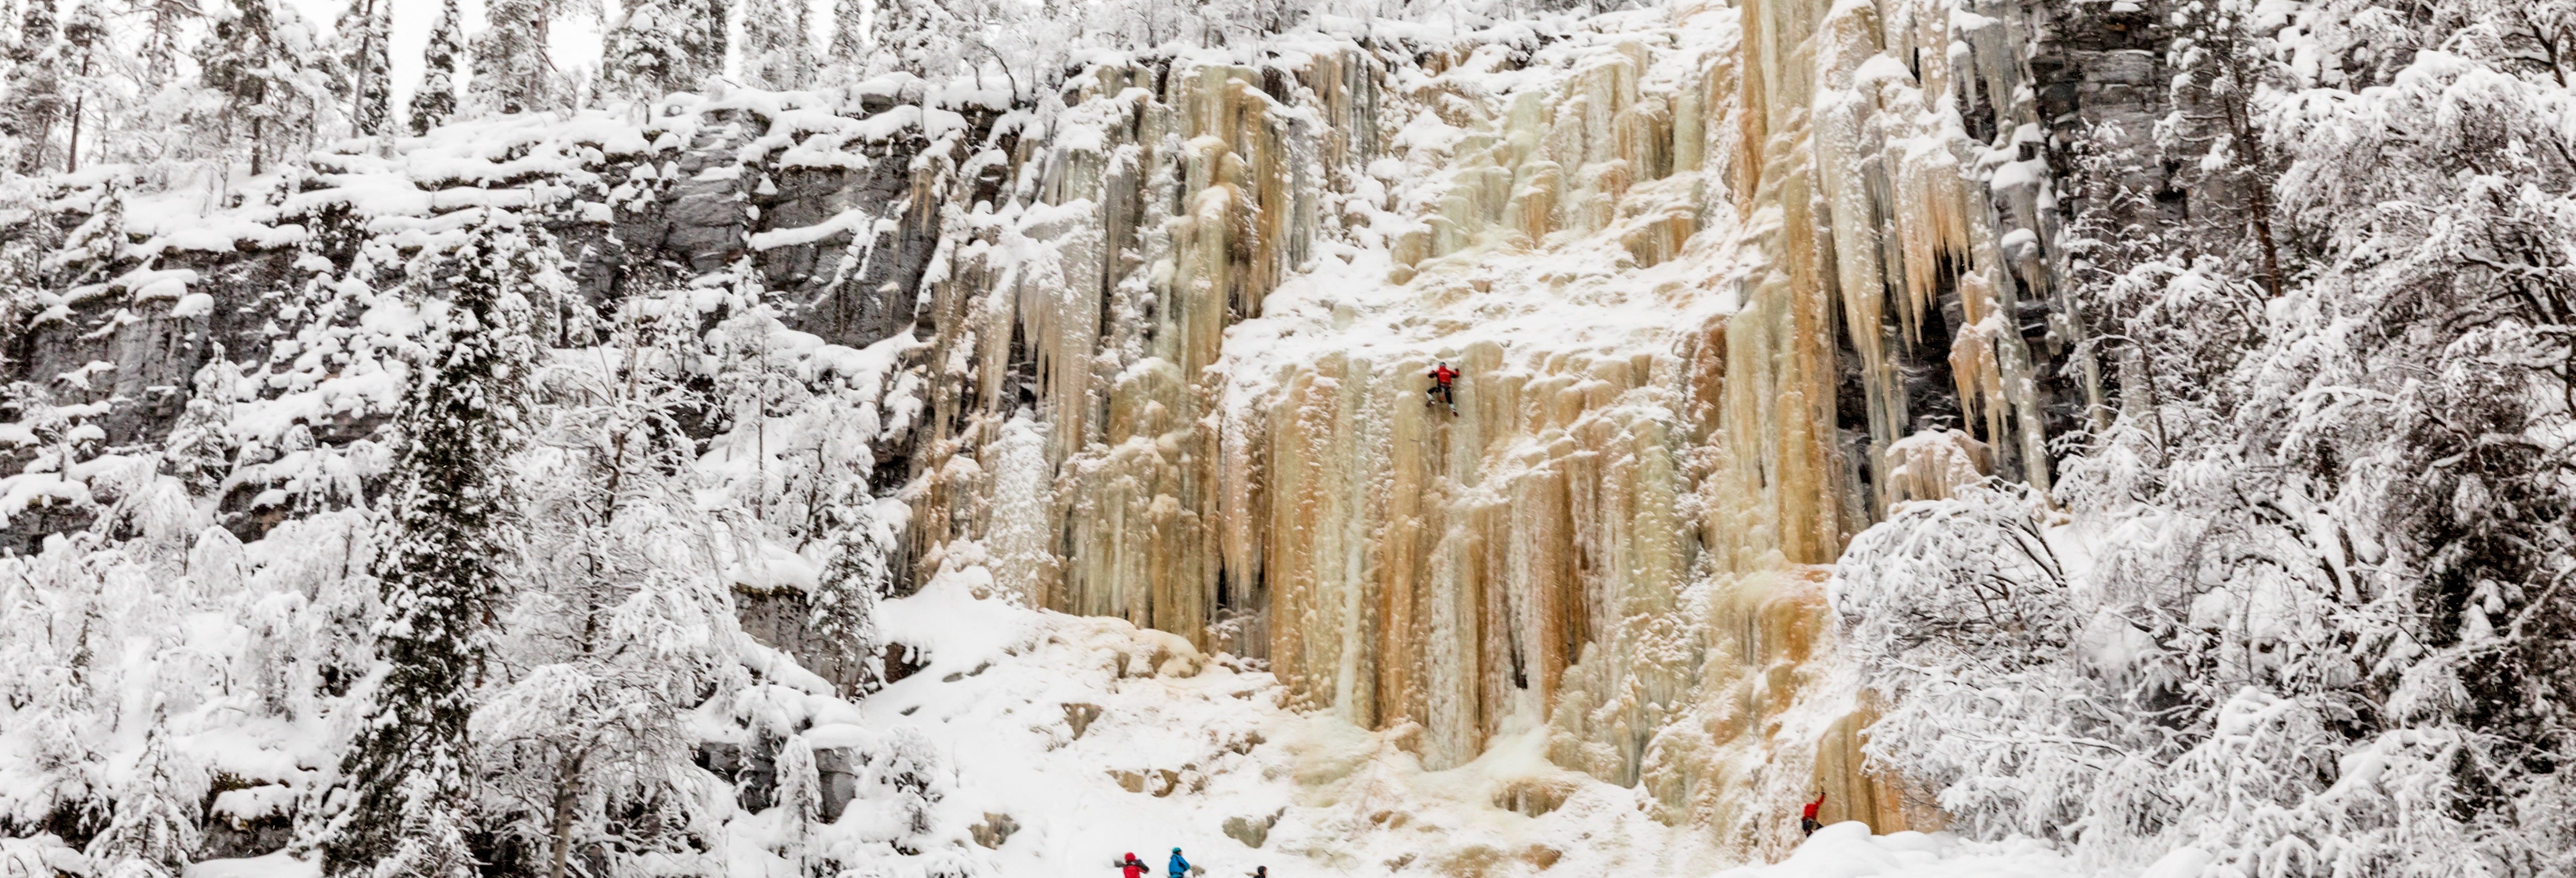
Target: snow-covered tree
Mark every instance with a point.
(405, 787)
(35, 85)
(199, 453)
(442, 62)
(661, 46)
(513, 71)
(156, 828)
(165, 31)
(919, 37)
(85, 41)
(857, 572)
(591, 755)
(366, 66)
(848, 47)
(777, 43)
(94, 250)
(260, 62)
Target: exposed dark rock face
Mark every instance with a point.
(136, 355)
(778, 619)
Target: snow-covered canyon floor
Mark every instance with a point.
(1063, 742)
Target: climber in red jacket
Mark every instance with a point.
(1806, 821)
(1441, 378)
(1134, 868)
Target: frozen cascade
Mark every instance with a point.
(1666, 257)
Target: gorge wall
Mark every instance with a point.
(1724, 282)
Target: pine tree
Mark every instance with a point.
(703, 36)
(366, 67)
(641, 56)
(662, 46)
(165, 25)
(777, 43)
(512, 72)
(2214, 127)
(849, 30)
(913, 36)
(200, 449)
(449, 535)
(154, 831)
(255, 61)
(435, 99)
(842, 608)
(94, 249)
(85, 37)
(845, 55)
(34, 95)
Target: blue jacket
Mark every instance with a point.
(1179, 866)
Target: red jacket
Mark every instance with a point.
(1811, 811)
(1134, 868)
(1443, 375)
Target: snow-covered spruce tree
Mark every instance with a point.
(401, 803)
(200, 448)
(704, 35)
(94, 250)
(857, 573)
(2221, 67)
(365, 66)
(35, 85)
(85, 42)
(845, 51)
(661, 46)
(434, 99)
(914, 36)
(513, 73)
(800, 798)
(164, 33)
(259, 61)
(642, 58)
(777, 43)
(907, 771)
(155, 831)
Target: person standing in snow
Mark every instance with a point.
(1260, 872)
(1132, 867)
(1807, 821)
(1441, 378)
(1179, 867)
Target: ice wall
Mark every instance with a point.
(1724, 282)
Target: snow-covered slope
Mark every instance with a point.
(1067, 741)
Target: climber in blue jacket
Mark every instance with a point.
(1179, 867)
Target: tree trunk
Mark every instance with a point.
(564, 796)
(71, 151)
(2258, 191)
(358, 126)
